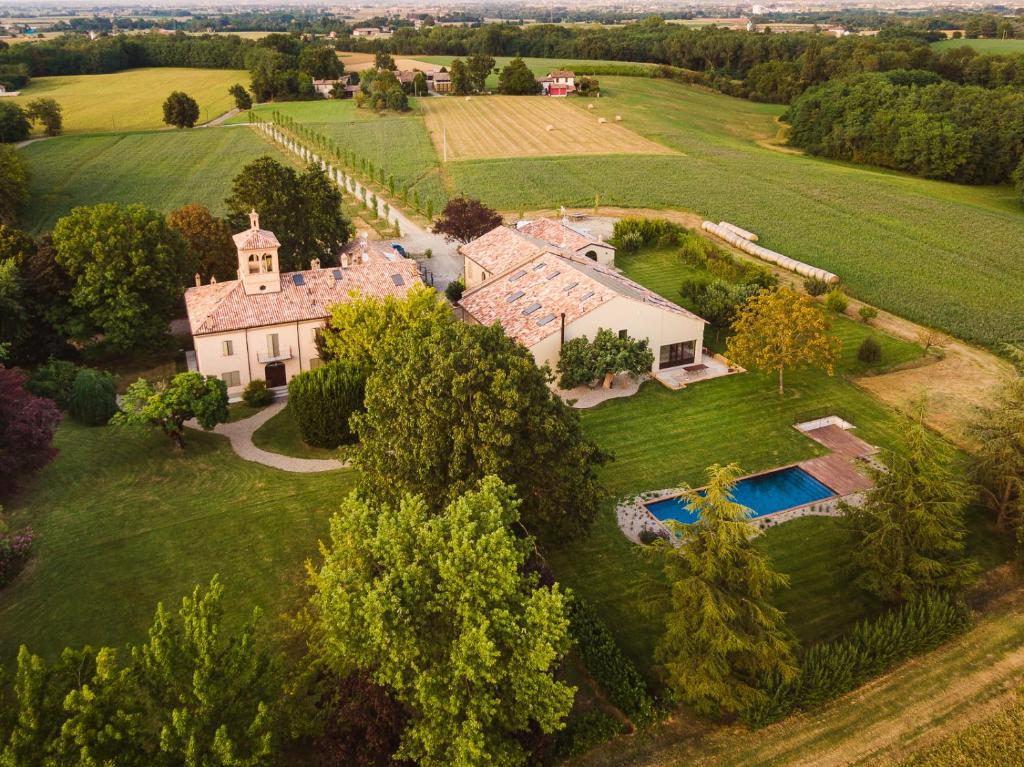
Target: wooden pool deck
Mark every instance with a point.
(838, 469)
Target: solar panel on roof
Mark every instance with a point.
(298, 279)
(397, 279)
(530, 309)
(514, 296)
(517, 275)
(545, 319)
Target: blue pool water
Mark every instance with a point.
(764, 494)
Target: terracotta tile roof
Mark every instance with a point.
(558, 234)
(529, 301)
(502, 248)
(561, 73)
(254, 239)
(224, 306)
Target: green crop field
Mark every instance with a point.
(983, 46)
(133, 99)
(938, 253)
(163, 170)
(399, 143)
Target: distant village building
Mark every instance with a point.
(326, 87)
(265, 324)
(439, 82)
(559, 82)
(545, 295)
(372, 33)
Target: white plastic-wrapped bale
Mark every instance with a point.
(737, 230)
(784, 262)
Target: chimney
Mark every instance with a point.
(315, 264)
(213, 280)
(199, 280)
(344, 261)
(254, 219)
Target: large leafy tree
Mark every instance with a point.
(44, 291)
(999, 456)
(583, 361)
(241, 96)
(462, 80)
(465, 218)
(14, 123)
(320, 62)
(455, 403)
(13, 185)
(479, 66)
(776, 330)
(27, 426)
(212, 694)
(910, 525)
(48, 113)
(167, 406)
(304, 211)
(181, 110)
(128, 269)
(722, 634)
(439, 609)
(209, 240)
(516, 79)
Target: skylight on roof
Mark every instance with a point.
(514, 296)
(553, 275)
(586, 295)
(397, 279)
(531, 309)
(298, 279)
(545, 319)
(337, 274)
(517, 275)
(539, 266)
(571, 287)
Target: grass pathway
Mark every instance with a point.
(909, 709)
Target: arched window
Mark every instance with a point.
(254, 264)
(268, 262)
(592, 255)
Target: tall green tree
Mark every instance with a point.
(181, 110)
(168, 406)
(14, 123)
(48, 113)
(241, 96)
(584, 361)
(208, 239)
(303, 210)
(479, 66)
(439, 609)
(722, 634)
(128, 269)
(516, 79)
(212, 694)
(455, 403)
(999, 456)
(462, 80)
(320, 62)
(14, 178)
(910, 525)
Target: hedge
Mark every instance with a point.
(323, 400)
(584, 732)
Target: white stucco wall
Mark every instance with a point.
(605, 253)
(474, 273)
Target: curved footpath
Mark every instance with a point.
(240, 435)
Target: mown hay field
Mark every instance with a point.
(518, 126)
(937, 253)
(133, 99)
(163, 169)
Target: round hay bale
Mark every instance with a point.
(618, 118)
(590, 106)
(469, 98)
(549, 127)
(601, 120)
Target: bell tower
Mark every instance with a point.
(258, 267)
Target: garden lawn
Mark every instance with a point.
(133, 99)
(662, 438)
(163, 170)
(281, 435)
(398, 143)
(539, 66)
(124, 521)
(984, 47)
(937, 253)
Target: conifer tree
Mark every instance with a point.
(910, 527)
(722, 633)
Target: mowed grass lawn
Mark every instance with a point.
(163, 170)
(662, 438)
(539, 66)
(938, 253)
(524, 126)
(281, 435)
(398, 143)
(133, 99)
(984, 47)
(124, 521)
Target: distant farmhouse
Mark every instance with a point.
(372, 33)
(559, 82)
(326, 87)
(265, 323)
(546, 284)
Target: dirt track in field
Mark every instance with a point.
(955, 381)
(517, 126)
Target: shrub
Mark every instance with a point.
(14, 551)
(867, 313)
(870, 351)
(323, 400)
(815, 286)
(836, 301)
(455, 289)
(615, 673)
(693, 288)
(93, 397)
(630, 242)
(54, 381)
(829, 669)
(576, 363)
(584, 732)
(633, 232)
(256, 393)
(648, 536)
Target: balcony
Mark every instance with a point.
(280, 356)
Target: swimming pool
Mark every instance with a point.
(764, 494)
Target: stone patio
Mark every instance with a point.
(679, 377)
